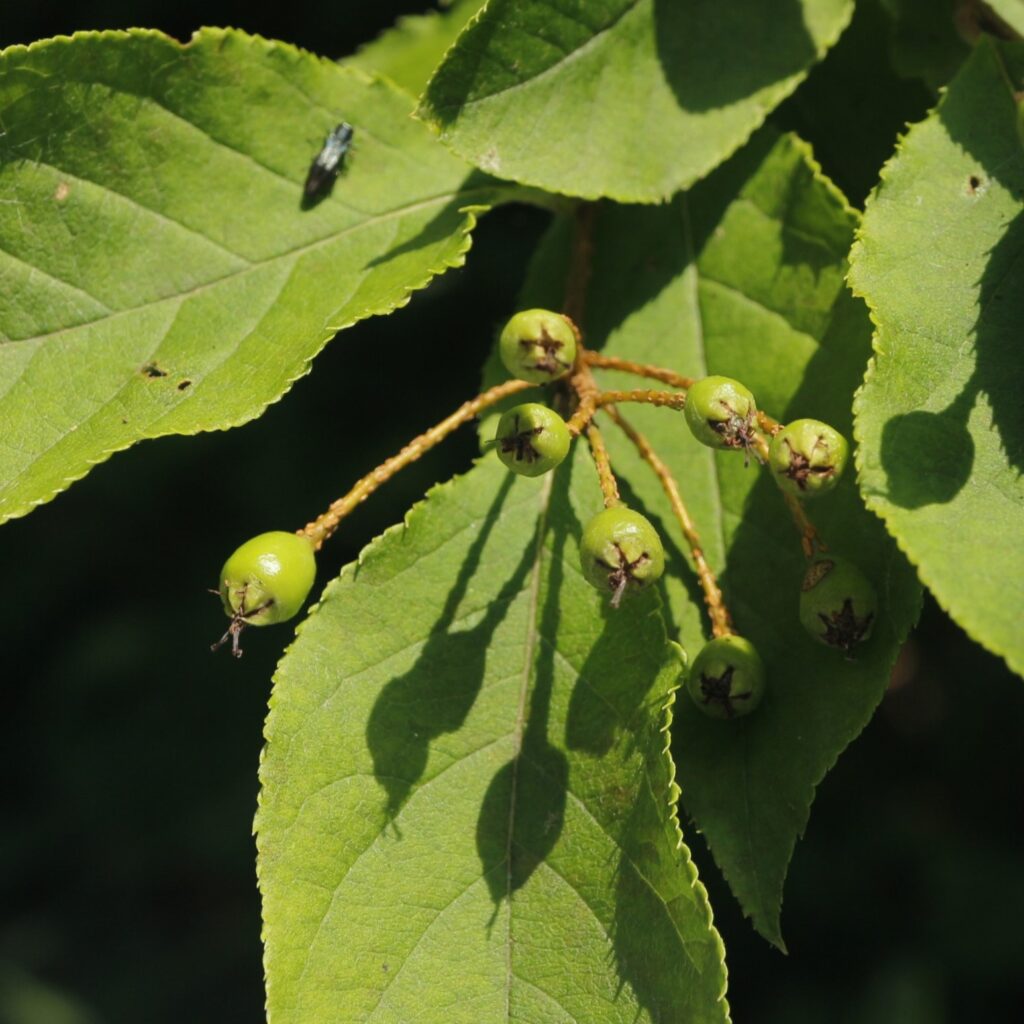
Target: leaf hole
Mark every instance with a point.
(974, 184)
(184, 385)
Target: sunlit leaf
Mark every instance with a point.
(160, 270)
(941, 420)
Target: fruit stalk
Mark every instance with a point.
(324, 525)
(669, 398)
(721, 622)
(670, 377)
(603, 465)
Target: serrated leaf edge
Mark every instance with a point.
(472, 213)
(672, 795)
(878, 345)
(426, 113)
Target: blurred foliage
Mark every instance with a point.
(127, 888)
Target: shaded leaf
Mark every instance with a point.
(161, 274)
(940, 419)
(409, 52)
(875, 108)
(631, 99)
(925, 40)
(465, 812)
(744, 277)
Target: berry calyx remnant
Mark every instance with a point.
(838, 605)
(727, 678)
(721, 413)
(532, 439)
(538, 345)
(621, 552)
(807, 458)
(265, 581)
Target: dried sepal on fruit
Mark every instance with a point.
(808, 457)
(532, 439)
(727, 678)
(538, 345)
(838, 605)
(265, 581)
(722, 413)
(621, 552)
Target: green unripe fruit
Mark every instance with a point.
(727, 678)
(266, 581)
(621, 552)
(838, 605)
(807, 458)
(721, 413)
(538, 345)
(532, 439)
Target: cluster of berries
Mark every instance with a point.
(269, 577)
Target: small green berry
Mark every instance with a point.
(538, 345)
(807, 458)
(532, 439)
(620, 552)
(721, 413)
(727, 678)
(837, 604)
(265, 581)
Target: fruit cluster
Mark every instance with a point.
(269, 577)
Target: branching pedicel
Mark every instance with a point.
(620, 551)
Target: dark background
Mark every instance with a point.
(129, 753)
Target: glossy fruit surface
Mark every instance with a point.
(838, 605)
(268, 578)
(721, 413)
(621, 552)
(538, 345)
(807, 458)
(727, 678)
(532, 439)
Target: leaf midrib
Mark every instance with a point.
(532, 639)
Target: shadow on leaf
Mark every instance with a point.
(928, 457)
(523, 809)
(715, 54)
(444, 224)
(436, 694)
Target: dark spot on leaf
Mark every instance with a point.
(184, 385)
(152, 371)
(973, 184)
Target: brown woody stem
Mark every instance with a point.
(323, 526)
(721, 622)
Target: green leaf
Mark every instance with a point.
(467, 806)
(940, 421)
(744, 277)
(924, 40)
(409, 52)
(631, 99)
(876, 108)
(1011, 11)
(161, 275)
